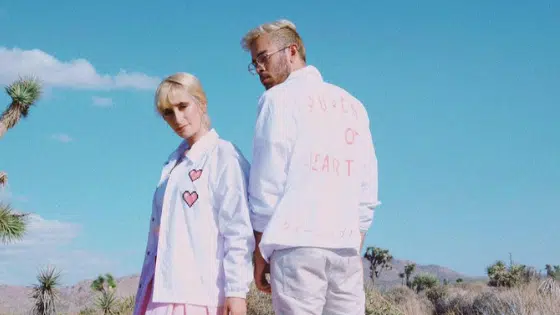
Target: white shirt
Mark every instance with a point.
(313, 178)
(200, 227)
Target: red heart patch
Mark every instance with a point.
(190, 198)
(195, 174)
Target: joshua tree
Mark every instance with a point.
(553, 271)
(104, 283)
(12, 225)
(106, 302)
(45, 293)
(24, 93)
(408, 270)
(401, 275)
(379, 259)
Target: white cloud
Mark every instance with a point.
(62, 137)
(48, 242)
(102, 101)
(41, 232)
(76, 73)
(7, 197)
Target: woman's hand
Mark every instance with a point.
(235, 306)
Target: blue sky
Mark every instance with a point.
(463, 100)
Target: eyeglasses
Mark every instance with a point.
(261, 60)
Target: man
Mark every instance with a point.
(313, 180)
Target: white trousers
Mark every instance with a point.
(317, 281)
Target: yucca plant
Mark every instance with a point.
(45, 292)
(107, 302)
(24, 93)
(12, 225)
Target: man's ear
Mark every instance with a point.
(293, 50)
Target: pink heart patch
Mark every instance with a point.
(190, 198)
(195, 174)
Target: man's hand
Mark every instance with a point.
(235, 306)
(261, 268)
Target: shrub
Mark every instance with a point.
(424, 281)
(376, 304)
(438, 297)
(258, 303)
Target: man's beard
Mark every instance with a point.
(280, 73)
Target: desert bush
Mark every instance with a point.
(118, 306)
(553, 271)
(258, 303)
(453, 299)
(438, 297)
(500, 275)
(530, 274)
(407, 301)
(376, 304)
(477, 300)
(125, 306)
(399, 295)
(550, 287)
(88, 311)
(424, 281)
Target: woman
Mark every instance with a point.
(199, 252)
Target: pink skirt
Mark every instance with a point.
(151, 308)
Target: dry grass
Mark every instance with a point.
(523, 300)
(456, 299)
(405, 300)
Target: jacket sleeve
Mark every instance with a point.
(148, 260)
(235, 226)
(369, 193)
(272, 147)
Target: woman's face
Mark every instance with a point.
(185, 116)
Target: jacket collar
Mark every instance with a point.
(198, 150)
(307, 72)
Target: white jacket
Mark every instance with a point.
(313, 177)
(205, 241)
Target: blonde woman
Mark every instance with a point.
(198, 258)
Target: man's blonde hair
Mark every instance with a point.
(282, 32)
(176, 83)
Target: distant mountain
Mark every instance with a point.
(390, 278)
(16, 300)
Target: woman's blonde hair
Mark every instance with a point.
(177, 82)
